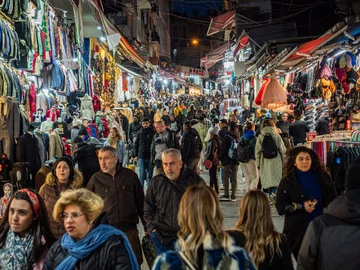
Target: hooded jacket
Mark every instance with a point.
(332, 240)
(96, 103)
(162, 203)
(123, 197)
(87, 160)
(191, 145)
(50, 192)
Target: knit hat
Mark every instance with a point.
(82, 131)
(69, 163)
(214, 131)
(352, 179)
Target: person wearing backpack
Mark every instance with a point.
(246, 152)
(229, 160)
(270, 156)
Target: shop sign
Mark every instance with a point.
(310, 136)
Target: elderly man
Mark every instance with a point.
(123, 196)
(163, 199)
(164, 138)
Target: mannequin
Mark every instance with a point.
(53, 113)
(87, 108)
(8, 192)
(62, 126)
(47, 125)
(39, 115)
(56, 146)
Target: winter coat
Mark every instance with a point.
(283, 262)
(298, 131)
(202, 130)
(112, 254)
(216, 255)
(270, 169)
(74, 133)
(106, 130)
(143, 143)
(223, 132)
(162, 202)
(283, 126)
(191, 145)
(290, 193)
(87, 161)
(96, 103)
(27, 150)
(332, 240)
(50, 192)
(133, 130)
(213, 150)
(56, 147)
(249, 138)
(322, 126)
(99, 124)
(123, 197)
(93, 130)
(86, 108)
(121, 150)
(224, 149)
(171, 142)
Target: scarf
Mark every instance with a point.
(16, 254)
(114, 142)
(87, 136)
(93, 240)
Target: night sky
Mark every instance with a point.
(200, 5)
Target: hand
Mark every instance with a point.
(153, 230)
(147, 234)
(309, 206)
(136, 159)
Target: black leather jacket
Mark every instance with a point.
(143, 143)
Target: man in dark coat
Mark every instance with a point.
(332, 240)
(298, 130)
(163, 199)
(191, 146)
(223, 128)
(322, 125)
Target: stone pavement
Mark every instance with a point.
(230, 210)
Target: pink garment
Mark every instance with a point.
(32, 101)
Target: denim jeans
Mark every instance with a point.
(271, 190)
(160, 247)
(145, 171)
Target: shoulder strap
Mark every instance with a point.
(186, 261)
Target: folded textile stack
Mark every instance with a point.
(310, 114)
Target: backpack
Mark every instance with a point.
(243, 151)
(233, 153)
(269, 147)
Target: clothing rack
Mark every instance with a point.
(3, 16)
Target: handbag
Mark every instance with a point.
(149, 250)
(207, 163)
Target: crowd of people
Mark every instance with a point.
(87, 213)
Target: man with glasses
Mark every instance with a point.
(142, 151)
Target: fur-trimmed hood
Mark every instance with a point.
(76, 183)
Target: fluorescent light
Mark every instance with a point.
(99, 28)
(103, 39)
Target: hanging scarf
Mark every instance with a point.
(114, 142)
(94, 239)
(16, 254)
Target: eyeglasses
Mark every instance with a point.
(73, 216)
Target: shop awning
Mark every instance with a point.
(222, 22)
(351, 35)
(214, 56)
(241, 43)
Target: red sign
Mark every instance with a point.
(310, 136)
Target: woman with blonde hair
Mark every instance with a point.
(203, 243)
(255, 231)
(115, 140)
(87, 243)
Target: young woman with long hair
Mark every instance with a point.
(202, 240)
(306, 189)
(25, 235)
(116, 141)
(255, 231)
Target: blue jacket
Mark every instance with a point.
(121, 150)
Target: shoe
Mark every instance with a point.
(224, 198)
(233, 199)
(272, 199)
(222, 188)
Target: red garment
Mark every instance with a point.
(106, 131)
(96, 103)
(260, 95)
(32, 101)
(53, 114)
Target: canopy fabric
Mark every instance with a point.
(214, 56)
(308, 47)
(353, 30)
(241, 43)
(222, 22)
